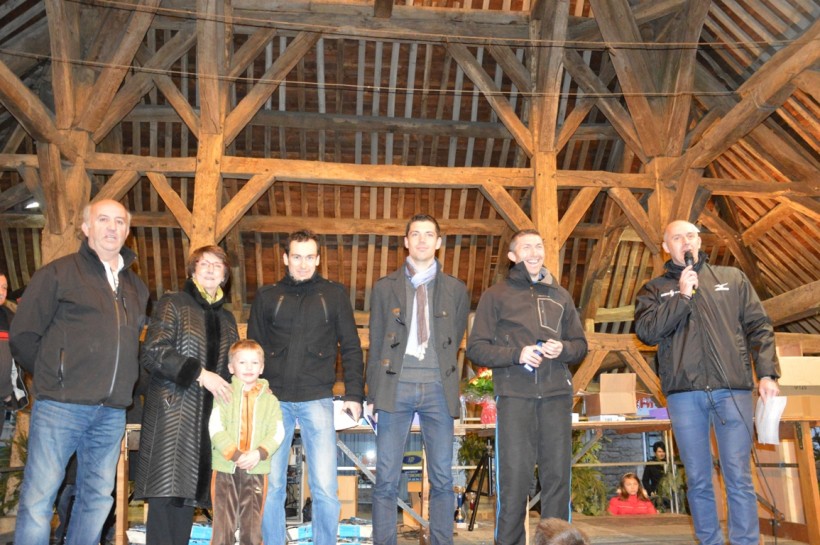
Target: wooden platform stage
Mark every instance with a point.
(666, 529)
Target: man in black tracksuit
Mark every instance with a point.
(302, 323)
(527, 329)
(710, 328)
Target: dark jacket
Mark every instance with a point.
(715, 333)
(185, 335)
(515, 313)
(77, 337)
(390, 325)
(302, 326)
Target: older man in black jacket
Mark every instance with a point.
(77, 331)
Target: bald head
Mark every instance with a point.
(680, 237)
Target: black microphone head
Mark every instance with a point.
(688, 259)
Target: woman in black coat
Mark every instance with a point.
(186, 353)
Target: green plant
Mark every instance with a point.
(480, 387)
(8, 502)
(472, 449)
(588, 488)
(674, 484)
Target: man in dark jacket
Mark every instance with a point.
(527, 329)
(418, 315)
(709, 325)
(77, 331)
(301, 323)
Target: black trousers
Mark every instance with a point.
(532, 431)
(169, 521)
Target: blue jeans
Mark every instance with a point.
(56, 431)
(692, 415)
(437, 434)
(319, 441)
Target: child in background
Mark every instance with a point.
(245, 432)
(632, 499)
(553, 531)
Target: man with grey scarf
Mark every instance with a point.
(418, 315)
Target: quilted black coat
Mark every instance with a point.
(185, 334)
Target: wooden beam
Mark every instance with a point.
(761, 95)
(575, 212)
(765, 223)
(517, 72)
(794, 305)
(583, 75)
(544, 208)
(769, 141)
(499, 104)
(233, 211)
(679, 76)
(805, 205)
(255, 99)
(551, 33)
(383, 9)
(140, 83)
(172, 201)
(63, 29)
(117, 66)
(618, 26)
(637, 217)
(506, 207)
(13, 196)
(246, 54)
(29, 111)
(117, 185)
(734, 242)
(253, 223)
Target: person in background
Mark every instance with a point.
(652, 474)
(631, 498)
(527, 329)
(553, 531)
(711, 330)
(186, 353)
(418, 315)
(302, 323)
(77, 331)
(245, 432)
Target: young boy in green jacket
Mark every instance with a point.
(245, 432)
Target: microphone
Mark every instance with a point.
(689, 261)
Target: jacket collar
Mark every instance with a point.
(128, 256)
(399, 278)
(288, 280)
(673, 270)
(191, 289)
(518, 275)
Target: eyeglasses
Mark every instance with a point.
(205, 265)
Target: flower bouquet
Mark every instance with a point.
(479, 389)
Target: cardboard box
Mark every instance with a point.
(799, 406)
(799, 375)
(348, 492)
(617, 395)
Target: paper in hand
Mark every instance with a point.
(767, 420)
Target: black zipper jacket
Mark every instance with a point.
(515, 313)
(707, 342)
(77, 337)
(301, 326)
